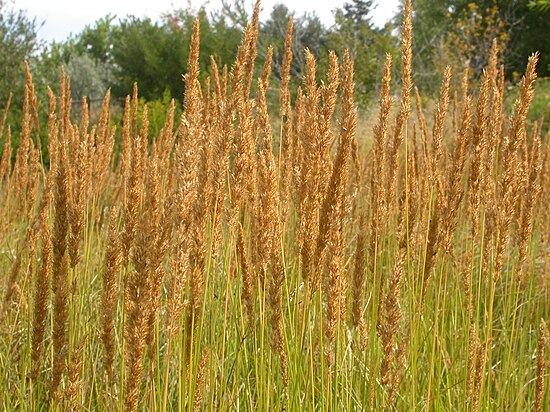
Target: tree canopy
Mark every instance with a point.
(18, 42)
(457, 32)
(115, 52)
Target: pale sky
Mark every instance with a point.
(63, 17)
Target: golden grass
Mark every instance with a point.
(396, 268)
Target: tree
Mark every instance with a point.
(430, 23)
(358, 12)
(97, 40)
(531, 34)
(353, 30)
(470, 38)
(150, 53)
(18, 42)
(541, 5)
(309, 32)
(86, 78)
(456, 31)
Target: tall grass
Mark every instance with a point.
(230, 264)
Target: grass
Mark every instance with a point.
(237, 260)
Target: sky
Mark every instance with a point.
(63, 17)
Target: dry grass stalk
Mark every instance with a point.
(543, 211)
(40, 303)
(244, 170)
(187, 194)
(473, 344)
(414, 195)
(5, 113)
(35, 171)
(191, 78)
(270, 259)
(62, 204)
(379, 156)
(297, 150)
(334, 290)
(109, 296)
(378, 206)
(5, 163)
(133, 199)
(396, 138)
(246, 276)
(126, 146)
(481, 359)
(179, 266)
(438, 133)
(496, 93)
(266, 72)
(5, 170)
(480, 146)
(330, 242)
(237, 72)
(73, 390)
(358, 282)
(427, 155)
(404, 108)
(251, 50)
(183, 197)
(195, 160)
(454, 187)
(53, 133)
(392, 311)
(531, 191)
(200, 380)
(42, 281)
(509, 194)
(307, 195)
(286, 116)
(136, 310)
(222, 135)
(400, 367)
(33, 102)
(60, 271)
(541, 366)
(21, 166)
(267, 206)
(329, 95)
(434, 233)
(496, 126)
(104, 143)
(166, 140)
(78, 204)
(160, 218)
(84, 119)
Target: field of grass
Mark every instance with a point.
(228, 264)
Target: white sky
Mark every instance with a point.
(63, 17)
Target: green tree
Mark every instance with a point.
(97, 40)
(354, 30)
(308, 32)
(155, 53)
(531, 34)
(358, 12)
(87, 78)
(18, 42)
(149, 53)
(456, 31)
(541, 5)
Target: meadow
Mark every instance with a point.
(252, 259)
